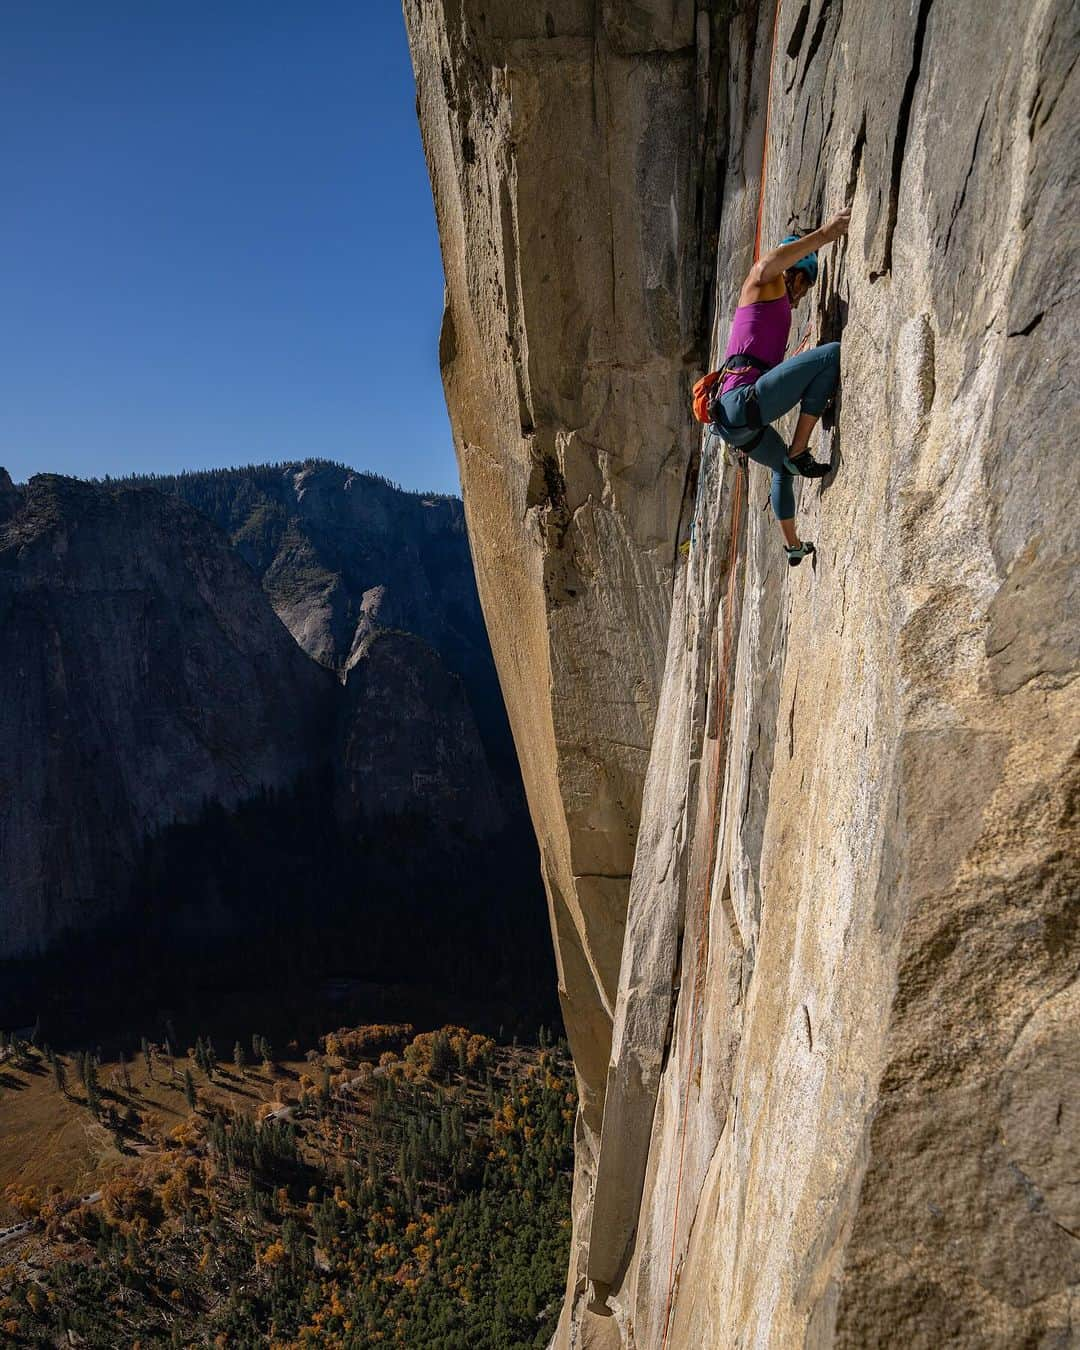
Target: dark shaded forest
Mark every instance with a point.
(278, 909)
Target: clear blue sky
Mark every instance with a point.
(217, 242)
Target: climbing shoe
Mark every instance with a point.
(796, 555)
(806, 466)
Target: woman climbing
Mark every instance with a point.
(756, 385)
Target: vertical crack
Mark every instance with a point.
(791, 720)
(856, 160)
(815, 39)
(967, 178)
(903, 124)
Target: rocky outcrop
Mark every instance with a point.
(343, 555)
(825, 1099)
(9, 497)
(409, 742)
(329, 542)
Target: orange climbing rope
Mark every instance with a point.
(713, 787)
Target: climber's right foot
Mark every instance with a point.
(796, 555)
(806, 466)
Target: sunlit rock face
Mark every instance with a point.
(809, 834)
(575, 243)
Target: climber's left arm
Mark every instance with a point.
(765, 280)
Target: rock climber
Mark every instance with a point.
(756, 384)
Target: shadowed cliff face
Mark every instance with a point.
(167, 748)
(427, 757)
(342, 555)
(825, 1102)
(142, 674)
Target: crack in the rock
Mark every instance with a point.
(903, 125)
(821, 151)
(749, 785)
(791, 720)
(1038, 113)
(856, 159)
(959, 205)
(805, 119)
(798, 32)
(1028, 328)
(815, 39)
(673, 1005)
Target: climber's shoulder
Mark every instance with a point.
(755, 290)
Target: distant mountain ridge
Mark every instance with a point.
(298, 638)
(342, 554)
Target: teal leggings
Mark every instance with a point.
(808, 380)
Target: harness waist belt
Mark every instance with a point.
(742, 360)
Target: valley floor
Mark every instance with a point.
(389, 1188)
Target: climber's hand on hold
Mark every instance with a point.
(838, 226)
(763, 281)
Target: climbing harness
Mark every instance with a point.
(707, 394)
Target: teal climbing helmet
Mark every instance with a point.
(807, 264)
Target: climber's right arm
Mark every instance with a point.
(767, 273)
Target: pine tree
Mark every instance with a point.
(239, 1058)
(189, 1090)
(442, 1057)
(90, 1081)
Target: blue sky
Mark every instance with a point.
(217, 243)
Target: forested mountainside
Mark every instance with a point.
(809, 835)
(182, 778)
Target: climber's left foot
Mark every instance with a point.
(806, 466)
(796, 555)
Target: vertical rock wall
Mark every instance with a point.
(825, 1034)
(565, 146)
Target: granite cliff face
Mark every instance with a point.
(343, 556)
(426, 757)
(147, 685)
(809, 836)
(342, 553)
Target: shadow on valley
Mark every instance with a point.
(277, 917)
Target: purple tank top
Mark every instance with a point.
(761, 329)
